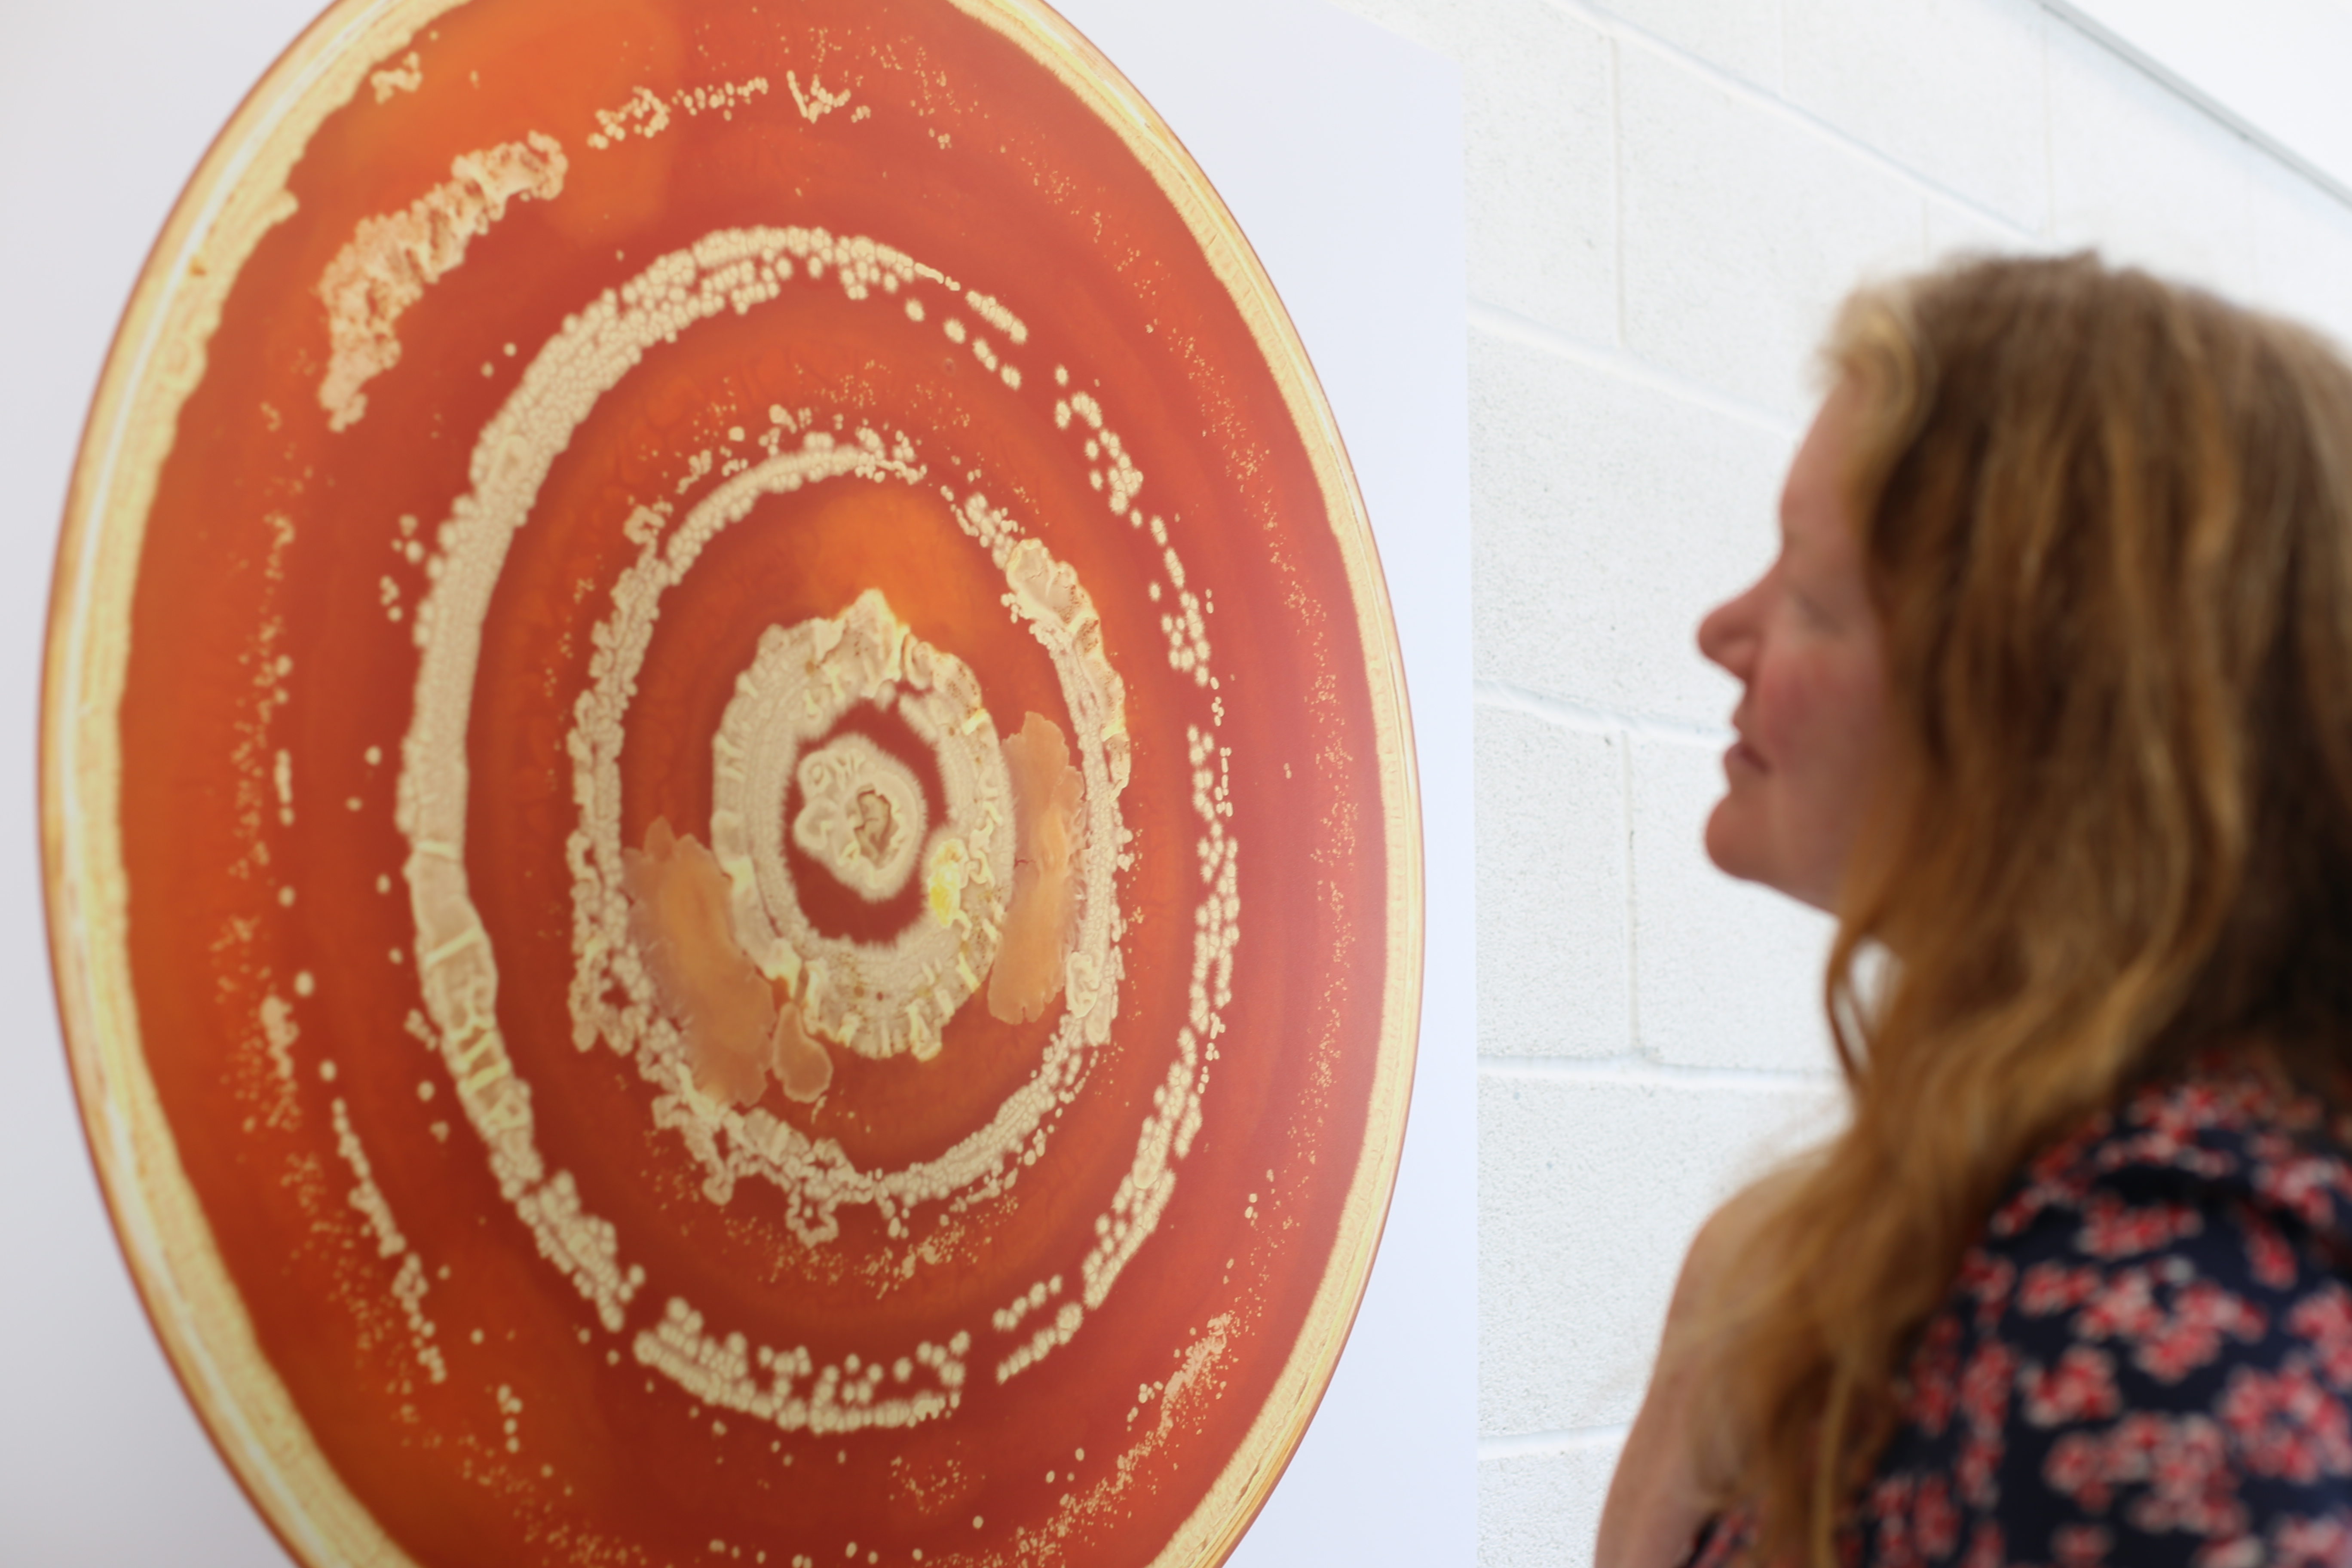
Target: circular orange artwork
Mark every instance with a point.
(729, 817)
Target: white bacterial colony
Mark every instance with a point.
(995, 314)
(1175, 1119)
(366, 1197)
(510, 1414)
(408, 1286)
(815, 103)
(1044, 1340)
(407, 77)
(1113, 471)
(646, 114)
(279, 1032)
(391, 260)
(789, 1389)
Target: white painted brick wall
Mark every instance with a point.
(1605, 516)
(1666, 197)
(1579, 1171)
(1743, 225)
(2130, 160)
(1728, 975)
(1554, 890)
(1952, 93)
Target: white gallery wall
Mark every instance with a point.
(1667, 197)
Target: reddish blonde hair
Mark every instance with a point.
(2107, 524)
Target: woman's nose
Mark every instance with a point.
(1727, 633)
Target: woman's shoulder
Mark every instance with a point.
(2148, 1356)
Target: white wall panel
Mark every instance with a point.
(1535, 1507)
(2143, 174)
(1589, 1186)
(1606, 516)
(1951, 90)
(2276, 68)
(1551, 854)
(1744, 225)
(1729, 975)
(1743, 37)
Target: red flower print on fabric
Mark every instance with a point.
(1934, 1380)
(2325, 1319)
(2176, 1465)
(2303, 1183)
(1988, 1281)
(2191, 1336)
(2325, 1543)
(2111, 1230)
(2287, 1423)
(2082, 1387)
(2081, 1545)
(1939, 1528)
(2270, 1258)
(1890, 1504)
(2056, 1288)
(2171, 1343)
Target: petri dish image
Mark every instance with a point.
(731, 838)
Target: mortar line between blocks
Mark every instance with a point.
(1496, 321)
(1579, 716)
(1771, 102)
(1643, 1073)
(1582, 1439)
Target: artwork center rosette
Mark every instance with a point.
(706, 965)
(861, 817)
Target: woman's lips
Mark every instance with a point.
(1740, 754)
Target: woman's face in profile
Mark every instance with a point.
(1804, 643)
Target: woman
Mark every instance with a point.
(2048, 700)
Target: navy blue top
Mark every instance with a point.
(2145, 1360)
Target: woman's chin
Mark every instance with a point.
(1734, 840)
(1741, 843)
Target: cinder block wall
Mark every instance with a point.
(1667, 197)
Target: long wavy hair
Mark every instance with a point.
(2107, 525)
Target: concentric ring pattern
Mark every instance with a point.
(732, 851)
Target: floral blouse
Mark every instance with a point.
(2147, 1358)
